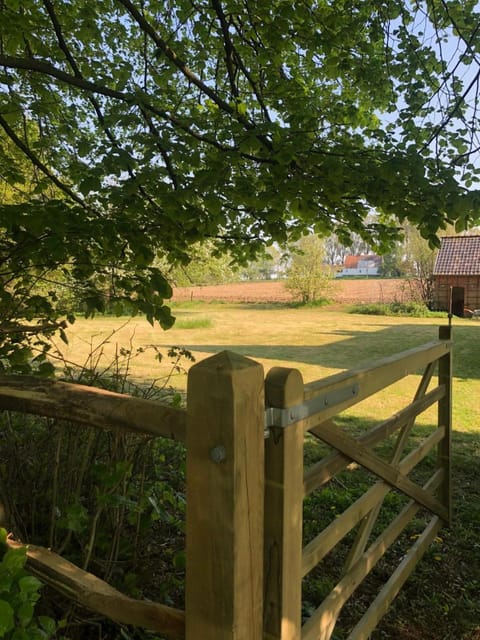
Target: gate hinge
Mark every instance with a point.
(275, 417)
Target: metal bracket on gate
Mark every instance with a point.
(284, 417)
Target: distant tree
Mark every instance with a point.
(336, 252)
(419, 263)
(394, 264)
(268, 266)
(205, 265)
(309, 278)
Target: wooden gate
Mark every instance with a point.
(300, 408)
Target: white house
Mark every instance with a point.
(364, 265)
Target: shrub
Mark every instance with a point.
(396, 308)
(308, 278)
(19, 593)
(112, 503)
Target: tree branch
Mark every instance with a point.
(228, 46)
(41, 66)
(94, 102)
(189, 74)
(232, 55)
(163, 153)
(452, 111)
(33, 329)
(179, 63)
(38, 163)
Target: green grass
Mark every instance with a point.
(194, 323)
(440, 600)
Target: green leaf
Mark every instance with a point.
(14, 559)
(29, 584)
(179, 560)
(46, 369)
(7, 621)
(318, 116)
(48, 624)
(75, 519)
(24, 613)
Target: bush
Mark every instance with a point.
(308, 278)
(412, 309)
(19, 593)
(112, 503)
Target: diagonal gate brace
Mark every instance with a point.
(350, 447)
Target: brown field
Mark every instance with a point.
(344, 291)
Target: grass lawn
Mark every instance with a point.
(441, 600)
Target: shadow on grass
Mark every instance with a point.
(355, 348)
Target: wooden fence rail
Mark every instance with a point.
(246, 485)
(91, 406)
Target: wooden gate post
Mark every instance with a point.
(445, 420)
(283, 510)
(225, 493)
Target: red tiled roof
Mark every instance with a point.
(459, 256)
(351, 262)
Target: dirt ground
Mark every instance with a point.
(344, 291)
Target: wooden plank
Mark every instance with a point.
(405, 432)
(372, 378)
(445, 418)
(90, 406)
(414, 457)
(351, 448)
(368, 523)
(325, 469)
(380, 605)
(96, 595)
(283, 511)
(225, 499)
(324, 542)
(321, 624)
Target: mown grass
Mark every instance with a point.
(440, 600)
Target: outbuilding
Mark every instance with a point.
(456, 275)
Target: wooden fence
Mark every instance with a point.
(246, 485)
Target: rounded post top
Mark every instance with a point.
(284, 387)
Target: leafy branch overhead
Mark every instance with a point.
(134, 127)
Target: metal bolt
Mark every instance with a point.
(218, 454)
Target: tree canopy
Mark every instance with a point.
(129, 126)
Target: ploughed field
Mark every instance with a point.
(271, 291)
